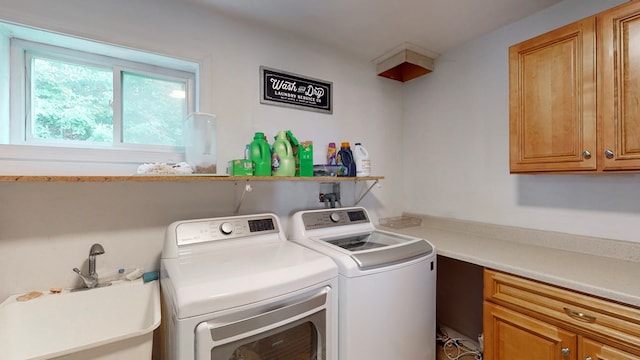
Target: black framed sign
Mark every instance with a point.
(282, 88)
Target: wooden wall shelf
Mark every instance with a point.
(176, 178)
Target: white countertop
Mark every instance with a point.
(519, 251)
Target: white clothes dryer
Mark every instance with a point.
(387, 284)
(234, 288)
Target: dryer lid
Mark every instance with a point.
(215, 281)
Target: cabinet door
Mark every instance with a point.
(593, 350)
(552, 115)
(509, 335)
(619, 79)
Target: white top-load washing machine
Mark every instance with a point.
(235, 288)
(387, 284)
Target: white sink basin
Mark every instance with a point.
(114, 322)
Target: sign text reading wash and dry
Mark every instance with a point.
(286, 89)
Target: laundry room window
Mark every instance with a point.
(76, 99)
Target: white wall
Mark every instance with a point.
(449, 129)
(46, 229)
(456, 138)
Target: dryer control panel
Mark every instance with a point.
(334, 217)
(214, 229)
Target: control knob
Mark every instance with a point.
(226, 228)
(335, 217)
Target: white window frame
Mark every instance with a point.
(16, 41)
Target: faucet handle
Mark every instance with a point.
(89, 281)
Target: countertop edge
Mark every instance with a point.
(565, 282)
(619, 249)
(602, 276)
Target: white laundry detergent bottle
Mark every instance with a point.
(363, 162)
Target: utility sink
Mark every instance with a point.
(113, 322)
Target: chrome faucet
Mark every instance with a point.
(91, 280)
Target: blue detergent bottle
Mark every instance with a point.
(345, 158)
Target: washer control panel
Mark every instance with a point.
(214, 229)
(334, 217)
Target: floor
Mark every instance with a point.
(452, 345)
(453, 354)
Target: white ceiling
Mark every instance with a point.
(371, 28)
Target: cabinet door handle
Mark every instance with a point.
(565, 352)
(608, 153)
(588, 358)
(579, 315)
(586, 154)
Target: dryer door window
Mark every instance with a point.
(295, 329)
(299, 342)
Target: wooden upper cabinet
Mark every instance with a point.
(619, 87)
(552, 81)
(575, 96)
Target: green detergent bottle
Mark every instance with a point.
(282, 161)
(260, 155)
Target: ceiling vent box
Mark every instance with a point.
(404, 65)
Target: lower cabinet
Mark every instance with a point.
(509, 335)
(594, 350)
(529, 320)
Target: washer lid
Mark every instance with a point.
(377, 248)
(248, 272)
(366, 241)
